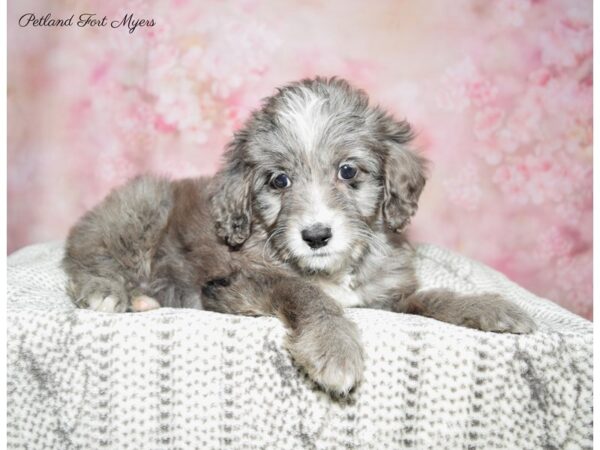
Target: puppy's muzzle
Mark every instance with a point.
(317, 235)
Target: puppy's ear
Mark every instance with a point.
(405, 173)
(231, 204)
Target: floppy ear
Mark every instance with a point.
(231, 204)
(404, 176)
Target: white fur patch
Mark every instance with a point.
(303, 115)
(342, 294)
(318, 211)
(100, 303)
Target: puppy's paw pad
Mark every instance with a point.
(144, 303)
(101, 303)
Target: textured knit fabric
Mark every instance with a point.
(179, 379)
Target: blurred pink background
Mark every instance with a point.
(499, 91)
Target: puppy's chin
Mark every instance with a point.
(320, 261)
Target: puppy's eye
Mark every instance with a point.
(347, 172)
(281, 181)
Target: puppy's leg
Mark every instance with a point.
(320, 339)
(486, 312)
(110, 251)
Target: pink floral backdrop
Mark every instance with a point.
(499, 91)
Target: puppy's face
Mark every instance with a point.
(318, 182)
(316, 170)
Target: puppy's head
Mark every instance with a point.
(319, 169)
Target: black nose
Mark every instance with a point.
(317, 235)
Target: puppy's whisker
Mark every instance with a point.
(374, 241)
(361, 230)
(266, 248)
(372, 237)
(266, 245)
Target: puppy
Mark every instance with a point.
(305, 218)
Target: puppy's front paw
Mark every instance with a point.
(105, 303)
(499, 315)
(331, 353)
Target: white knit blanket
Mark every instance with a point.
(185, 379)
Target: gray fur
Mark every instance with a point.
(234, 243)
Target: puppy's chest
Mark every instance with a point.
(344, 289)
(373, 284)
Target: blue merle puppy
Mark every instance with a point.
(305, 218)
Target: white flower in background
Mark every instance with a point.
(463, 85)
(566, 42)
(238, 51)
(512, 12)
(487, 121)
(464, 188)
(193, 73)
